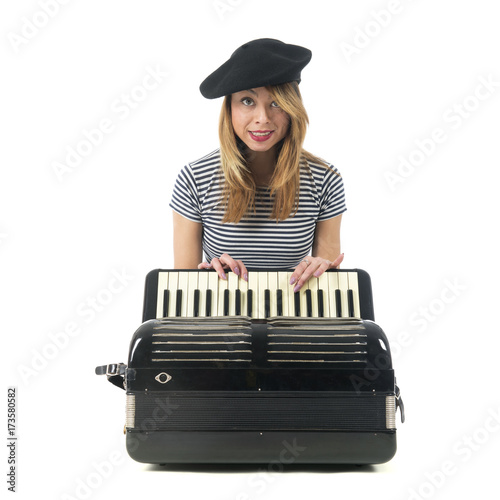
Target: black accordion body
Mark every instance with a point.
(229, 371)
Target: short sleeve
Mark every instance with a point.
(332, 198)
(185, 199)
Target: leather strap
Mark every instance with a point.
(115, 373)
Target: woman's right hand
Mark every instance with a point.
(225, 262)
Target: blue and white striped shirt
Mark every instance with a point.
(257, 240)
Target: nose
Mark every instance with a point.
(261, 114)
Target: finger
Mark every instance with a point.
(243, 271)
(336, 263)
(231, 263)
(299, 270)
(304, 278)
(205, 265)
(303, 272)
(218, 267)
(324, 265)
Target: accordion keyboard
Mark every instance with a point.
(191, 293)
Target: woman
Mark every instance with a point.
(260, 201)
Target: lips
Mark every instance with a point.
(260, 135)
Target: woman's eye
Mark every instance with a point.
(274, 104)
(247, 101)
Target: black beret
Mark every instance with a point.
(256, 64)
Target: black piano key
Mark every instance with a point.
(350, 303)
(296, 300)
(226, 302)
(178, 303)
(267, 303)
(237, 303)
(250, 303)
(196, 305)
(166, 297)
(321, 304)
(338, 303)
(279, 302)
(309, 305)
(208, 304)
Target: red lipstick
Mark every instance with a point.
(261, 135)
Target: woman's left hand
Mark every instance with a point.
(312, 266)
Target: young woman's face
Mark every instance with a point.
(257, 119)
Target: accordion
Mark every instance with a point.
(229, 371)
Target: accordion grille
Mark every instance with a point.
(288, 340)
(215, 339)
(316, 341)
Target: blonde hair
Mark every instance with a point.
(238, 194)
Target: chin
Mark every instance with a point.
(261, 149)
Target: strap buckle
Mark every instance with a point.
(115, 373)
(115, 369)
(399, 403)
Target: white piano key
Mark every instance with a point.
(192, 285)
(222, 285)
(173, 281)
(312, 284)
(303, 301)
(354, 286)
(272, 283)
(232, 286)
(323, 285)
(203, 287)
(253, 284)
(284, 286)
(290, 295)
(243, 287)
(343, 286)
(333, 285)
(263, 286)
(162, 285)
(184, 286)
(213, 285)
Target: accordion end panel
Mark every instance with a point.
(276, 448)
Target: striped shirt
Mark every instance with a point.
(257, 240)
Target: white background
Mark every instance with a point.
(384, 76)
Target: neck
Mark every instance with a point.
(262, 165)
